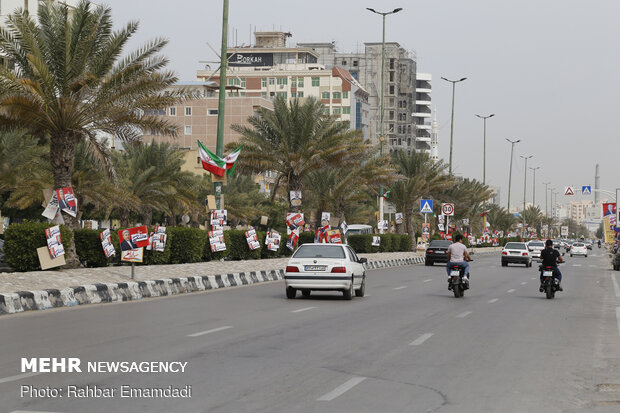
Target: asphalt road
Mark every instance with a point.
(408, 346)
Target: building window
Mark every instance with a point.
(391, 76)
(188, 130)
(316, 81)
(212, 112)
(293, 94)
(325, 95)
(392, 92)
(355, 63)
(337, 95)
(326, 110)
(391, 115)
(188, 111)
(300, 82)
(272, 80)
(263, 82)
(198, 160)
(336, 111)
(346, 110)
(294, 82)
(282, 81)
(300, 94)
(283, 94)
(263, 94)
(243, 82)
(172, 111)
(345, 95)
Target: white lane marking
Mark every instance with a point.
(616, 287)
(463, 315)
(214, 330)
(523, 283)
(343, 388)
(18, 377)
(366, 295)
(303, 309)
(421, 339)
(576, 265)
(592, 266)
(512, 290)
(493, 301)
(429, 280)
(618, 318)
(29, 411)
(533, 278)
(401, 287)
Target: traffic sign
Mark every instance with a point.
(569, 191)
(586, 190)
(426, 206)
(447, 209)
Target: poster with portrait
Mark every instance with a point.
(426, 231)
(54, 241)
(398, 218)
(106, 243)
(295, 198)
(52, 207)
(376, 241)
(67, 202)
(333, 236)
(291, 243)
(609, 211)
(218, 218)
(132, 238)
(272, 240)
(325, 218)
(295, 220)
(252, 239)
(217, 240)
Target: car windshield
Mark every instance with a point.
(536, 244)
(440, 244)
(319, 251)
(515, 246)
(577, 245)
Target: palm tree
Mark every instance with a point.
(533, 217)
(68, 84)
(468, 196)
(422, 177)
(293, 140)
(499, 218)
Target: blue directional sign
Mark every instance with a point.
(426, 206)
(586, 190)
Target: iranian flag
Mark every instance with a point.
(210, 161)
(231, 160)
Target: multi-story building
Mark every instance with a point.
(270, 68)
(197, 119)
(401, 111)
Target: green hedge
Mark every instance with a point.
(22, 240)
(88, 248)
(186, 244)
(389, 243)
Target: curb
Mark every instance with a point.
(21, 301)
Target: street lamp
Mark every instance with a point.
(382, 137)
(524, 186)
(454, 82)
(512, 149)
(484, 147)
(534, 186)
(545, 184)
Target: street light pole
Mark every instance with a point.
(382, 114)
(512, 149)
(524, 187)
(484, 147)
(219, 149)
(545, 184)
(534, 186)
(454, 82)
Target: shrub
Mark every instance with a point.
(88, 248)
(406, 243)
(305, 238)
(264, 252)
(396, 239)
(186, 244)
(22, 240)
(207, 255)
(237, 246)
(361, 243)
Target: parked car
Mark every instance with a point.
(437, 251)
(578, 248)
(516, 253)
(325, 267)
(535, 247)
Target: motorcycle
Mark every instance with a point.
(457, 283)
(550, 282)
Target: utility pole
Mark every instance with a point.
(512, 149)
(534, 186)
(545, 184)
(454, 82)
(484, 147)
(217, 186)
(524, 187)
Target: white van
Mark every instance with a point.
(355, 229)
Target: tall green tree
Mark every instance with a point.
(69, 83)
(499, 218)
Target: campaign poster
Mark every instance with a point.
(426, 231)
(325, 218)
(52, 207)
(67, 202)
(333, 236)
(54, 241)
(132, 238)
(382, 225)
(272, 240)
(344, 227)
(295, 198)
(158, 242)
(106, 243)
(320, 235)
(398, 218)
(217, 241)
(291, 243)
(252, 239)
(295, 220)
(134, 255)
(376, 241)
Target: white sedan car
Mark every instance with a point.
(579, 248)
(325, 267)
(535, 247)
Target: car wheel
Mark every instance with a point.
(305, 293)
(428, 262)
(362, 290)
(290, 292)
(347, 294)
(504, 264)
(571, 255)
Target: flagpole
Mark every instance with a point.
(217, 186)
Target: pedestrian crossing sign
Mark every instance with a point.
(426, 206)
(586, 190)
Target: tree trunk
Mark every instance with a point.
(62, 153)
(125, 218)
(147, 216)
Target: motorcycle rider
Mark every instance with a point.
(550, 258)
(457, 254)
(599, 243)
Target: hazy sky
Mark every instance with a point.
(548, 69)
